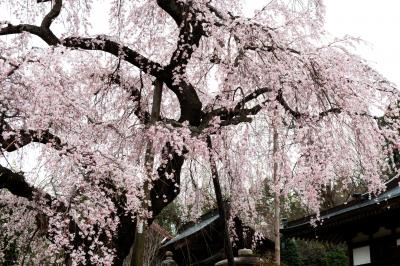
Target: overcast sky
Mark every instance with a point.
(375, 21)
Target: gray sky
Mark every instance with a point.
(374, 21)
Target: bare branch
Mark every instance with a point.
(334, 110)
(286, 106)
(54, 12)
(102, 43)
(253, 95)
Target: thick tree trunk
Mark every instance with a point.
(138, 246)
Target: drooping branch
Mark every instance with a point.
(231, 21)
(135, 96)
(12, 140)
(185, 92)
(297, 114)
(240, 114)
(252, 96)
(286, 106)
(21, 138)
(18, 186)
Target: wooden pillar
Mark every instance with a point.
(350, 251)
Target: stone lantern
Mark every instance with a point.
(169, 261)
(245, 258)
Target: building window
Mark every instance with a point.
(361, 256)
(398, 242)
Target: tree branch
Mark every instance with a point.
(102, 43)
(252, 96)
(173, 8)
(23, 137)
(135, 95)
(190, 33)
(187, 96)
(241, 114)
(334, 110)
(286, 106)
(54, 12)
(16, 183)
(45, 35)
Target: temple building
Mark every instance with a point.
(202, 243)
(370, 226)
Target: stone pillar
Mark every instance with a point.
(169, 261)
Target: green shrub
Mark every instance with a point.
(289, 253)
(337, 257)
